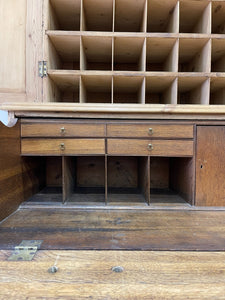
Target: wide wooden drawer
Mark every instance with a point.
(62, 146)
(150, 147)
(62, 130)
(150, 130)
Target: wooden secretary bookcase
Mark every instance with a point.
(119, 103)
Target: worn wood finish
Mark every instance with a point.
(68, 180)
(143, 130)
(59, 129)
(88, 274)
(210, 166)
(62, 146)
(112, 229)
(144, 147)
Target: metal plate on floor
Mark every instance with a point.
(26, 250)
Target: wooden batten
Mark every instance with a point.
(68, 180)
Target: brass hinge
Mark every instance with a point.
(26, 250)
(42, 69)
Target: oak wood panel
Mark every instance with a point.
(88, 274)
(142, 130)
(53, 146)
(90, 229)
(62, 130)
(68, 177)
(140, 147)
(210, 166)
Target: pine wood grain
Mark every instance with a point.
(88, 275)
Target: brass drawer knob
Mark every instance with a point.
(150, 131)
(62, 146)
(63, 130)
(150, 147)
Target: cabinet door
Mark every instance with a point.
(210, 166)
(20, 50)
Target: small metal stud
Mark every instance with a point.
(118, 269)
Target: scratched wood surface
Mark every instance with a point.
(73, 229)
(89, 275)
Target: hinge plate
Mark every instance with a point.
(42, 69)
(26, 250)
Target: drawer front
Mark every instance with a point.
(150, 130)
(62, 146)
(62, 130)
(165, 148)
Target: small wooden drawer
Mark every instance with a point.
(167, 148)
(62, 146)
(62, 130)
(150, 130)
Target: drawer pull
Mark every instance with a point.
(62, 146)
(150, 147)
(63, 130)
(150, 131)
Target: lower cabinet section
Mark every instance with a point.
(113, 180)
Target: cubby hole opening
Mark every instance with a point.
(96, 89)
(217, 91)
(63, 52)
(128, 180)
(96, 53)
(161, 90)
(162, 54)
(128, 90)
(45, 175)
(194, 55)
(195, 16)
(129, 54)
(193, 90)
(64, 15)
(218, 20)
(218, 55)
(171, 181)
(130, 16)
(84, 180)
(62, 87)
(163, 16)
(97, 15)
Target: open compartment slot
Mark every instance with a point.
(128, 89)
(63, 52)
(194, 55)
(193, 90)
(97, 15)
(161, 90)
(84, 180)
(96, 89)
(64, 15)
(217, 91)
(218, 55)
(45, 173)
(195, 16)
(130, 15)
(96, 53)
(128, 181)
(62, 86)
(218, 20)
(163, 16)
(162, 54)
(129, 54)
(171, 181)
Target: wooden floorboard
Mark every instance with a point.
(116, 229)
(89, 275)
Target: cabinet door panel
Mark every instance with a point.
(210, 166)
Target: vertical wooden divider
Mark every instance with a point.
(144, 20)
(106, 179)
(205, 22)
(114, 15)
(171, 93)
(141, 96)
(174, 22)
(205, 92)
(171, 64)
(82, 17)
(144, 177)
(68, 177)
